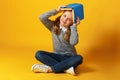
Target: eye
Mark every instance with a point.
(64, 15)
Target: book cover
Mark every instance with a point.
(77, 10)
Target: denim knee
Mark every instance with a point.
(39, 54)
(79, 59)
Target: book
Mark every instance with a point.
(77, 10)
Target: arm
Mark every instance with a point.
(73, 35)
(44, 19)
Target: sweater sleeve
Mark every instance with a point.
(73, 35)
(47, 22)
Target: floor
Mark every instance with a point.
(16, 64)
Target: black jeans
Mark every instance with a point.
(58, 62)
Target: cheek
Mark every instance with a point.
(61, 19)
(69, 23)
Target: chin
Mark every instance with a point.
(62, 24)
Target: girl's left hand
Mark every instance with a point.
(78, 21)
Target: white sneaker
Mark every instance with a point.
(70, 71)
(38, 68)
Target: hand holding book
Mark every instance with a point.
(59, 9)
(78, 20)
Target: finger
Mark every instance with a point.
(59, 8)
(78, 20)
(62, 6)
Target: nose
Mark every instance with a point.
(65, 19)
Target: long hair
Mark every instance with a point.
(56, 29)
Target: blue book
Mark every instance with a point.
(77, 10)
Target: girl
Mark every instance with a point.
(65, 37)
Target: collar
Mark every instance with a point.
(63, 28)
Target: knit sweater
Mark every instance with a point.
(60, 46)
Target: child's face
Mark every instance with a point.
(66, 19)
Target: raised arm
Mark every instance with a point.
(44, 18)
(74, 35)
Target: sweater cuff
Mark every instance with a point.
(73, 27)
(54, 11)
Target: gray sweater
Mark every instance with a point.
(60, 46)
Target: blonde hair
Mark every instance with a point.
(56, 29)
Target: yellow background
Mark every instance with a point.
(22, 34)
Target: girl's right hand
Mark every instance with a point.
(59, 8)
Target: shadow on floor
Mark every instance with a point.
(84, 69)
